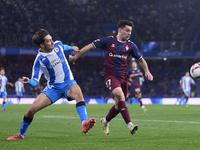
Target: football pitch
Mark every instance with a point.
(57, 127)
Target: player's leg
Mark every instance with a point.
(139, 96)
(18, 99)
(40, 102)
(4, 104)
(187, 96)
(120, 105)
(75, 93)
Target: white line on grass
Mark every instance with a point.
(173, 121)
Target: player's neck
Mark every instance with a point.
(120, 39)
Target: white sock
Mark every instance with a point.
(105, 121)
(130, 124)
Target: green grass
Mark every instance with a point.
(58, 127)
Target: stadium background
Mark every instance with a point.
(167, 32)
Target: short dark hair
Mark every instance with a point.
(38, 37)
(123, 23)
(2, 69)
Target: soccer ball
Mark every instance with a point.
(195, 71)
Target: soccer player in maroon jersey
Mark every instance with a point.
(134, 75)
(117, 48)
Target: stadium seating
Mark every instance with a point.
(81, 22)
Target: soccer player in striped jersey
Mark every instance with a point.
(19, 89)
(3, 83)
(185, 83)
(118, 49)
(51, 61)
(134, 75)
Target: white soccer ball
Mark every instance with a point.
(195, 71)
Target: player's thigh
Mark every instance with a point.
(74, 92)
(111, 82)
(118, 94)
(40, 102)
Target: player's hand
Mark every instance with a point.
(11, 84)
(25, 79)
(149, 76)
(131, 75)
(72, 59)
(76, 49)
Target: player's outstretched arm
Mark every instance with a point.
(144, 65)
(25, 79)
(84, 50)
(76, 49)
(10, 84)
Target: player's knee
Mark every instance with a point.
(31, 111)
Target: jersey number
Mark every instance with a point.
(108, 84)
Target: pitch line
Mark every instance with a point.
(165, 121)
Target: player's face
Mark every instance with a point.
(2, 72)
(187, 74)
(125, 32)
(48, 45)
(134, 64)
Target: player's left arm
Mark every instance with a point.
(75, 49)
(144, 65)
(10, 84)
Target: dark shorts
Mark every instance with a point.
(112, 82)
(135, 89)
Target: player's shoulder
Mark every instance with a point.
(107, 38)
(57, 42)
(131, 42)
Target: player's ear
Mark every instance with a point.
(119, 30)
(41, 45)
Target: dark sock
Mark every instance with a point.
(112, 113)
(124, 111)
(140, 101)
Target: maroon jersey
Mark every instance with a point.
(136, 77)
(117, 52)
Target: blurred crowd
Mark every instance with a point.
(79, 22)
(88, 73)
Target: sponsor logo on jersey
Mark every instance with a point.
(55, 62)
(118, 56)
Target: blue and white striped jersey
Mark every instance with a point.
(3, 80)
(186, 82)
(53, 65)
(19, 85)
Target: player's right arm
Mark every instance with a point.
(181, 85)
(84, 50)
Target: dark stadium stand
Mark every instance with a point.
(173, 23)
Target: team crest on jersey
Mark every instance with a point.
(127, 48)
(56, 49)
